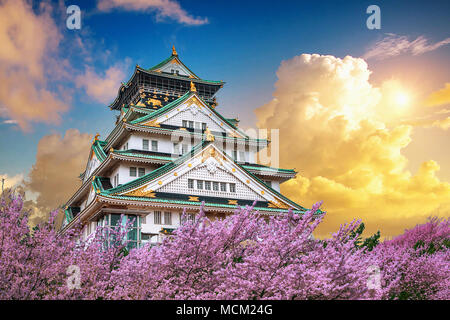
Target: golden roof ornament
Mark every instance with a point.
(209, 135)
(174, 52)
(193, 88)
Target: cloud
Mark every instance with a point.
(440, 97)
(163, 8)
(11, 182)
(102, 89)
(394, 45)
(333, 130)
(425, 122)
(27, 39)
(53, 177)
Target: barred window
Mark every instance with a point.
(232, 187)
(145, 144)
(157, 217)
(141, 172)
(154, 145)
(215, 186)
(168, 218)
(207, 185)
(185, 123)
(200, 184)
(190, 184)
(223, 186)
(132, 171)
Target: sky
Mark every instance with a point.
(364, 115)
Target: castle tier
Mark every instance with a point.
(170, 149)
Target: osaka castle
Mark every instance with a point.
(171, 150)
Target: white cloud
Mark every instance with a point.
(163, 8)
(394, 45)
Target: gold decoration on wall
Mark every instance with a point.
(248, 181)
(141, 193)
(160, 182)
(154, 101)
(209, 135)
(232, 202)
(166, 99)
(193, 88)
(140, 104)
(192, 198)
(211, 153)
(151, 123)
(262, 191)
(194, 100)
(234, 169)
(175, 174)
(277, 204)
(190, 165)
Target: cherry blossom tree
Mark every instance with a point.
(247, 255)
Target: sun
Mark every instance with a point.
(401, 99)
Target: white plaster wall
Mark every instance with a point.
(124, 172)
(150, 227)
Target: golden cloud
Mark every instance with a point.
(102, 89)
(439, 97)
(333, 130)
(54, 175)
(27, 39)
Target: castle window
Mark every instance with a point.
(132, 171)
(141, 172)
(203, 126)
(184, 123)
(215, 186)
(207, 185)
(242, 156)
(190, 184)
(232, 187)
(269, 183)
(200, 184)
(191, 124)
(223, 187)
(154, 145)
(145, 144)
(157, 217)
(234, 155)
(168, 218)
(184, 148)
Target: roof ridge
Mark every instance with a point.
(157, 172)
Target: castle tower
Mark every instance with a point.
(171, 149)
